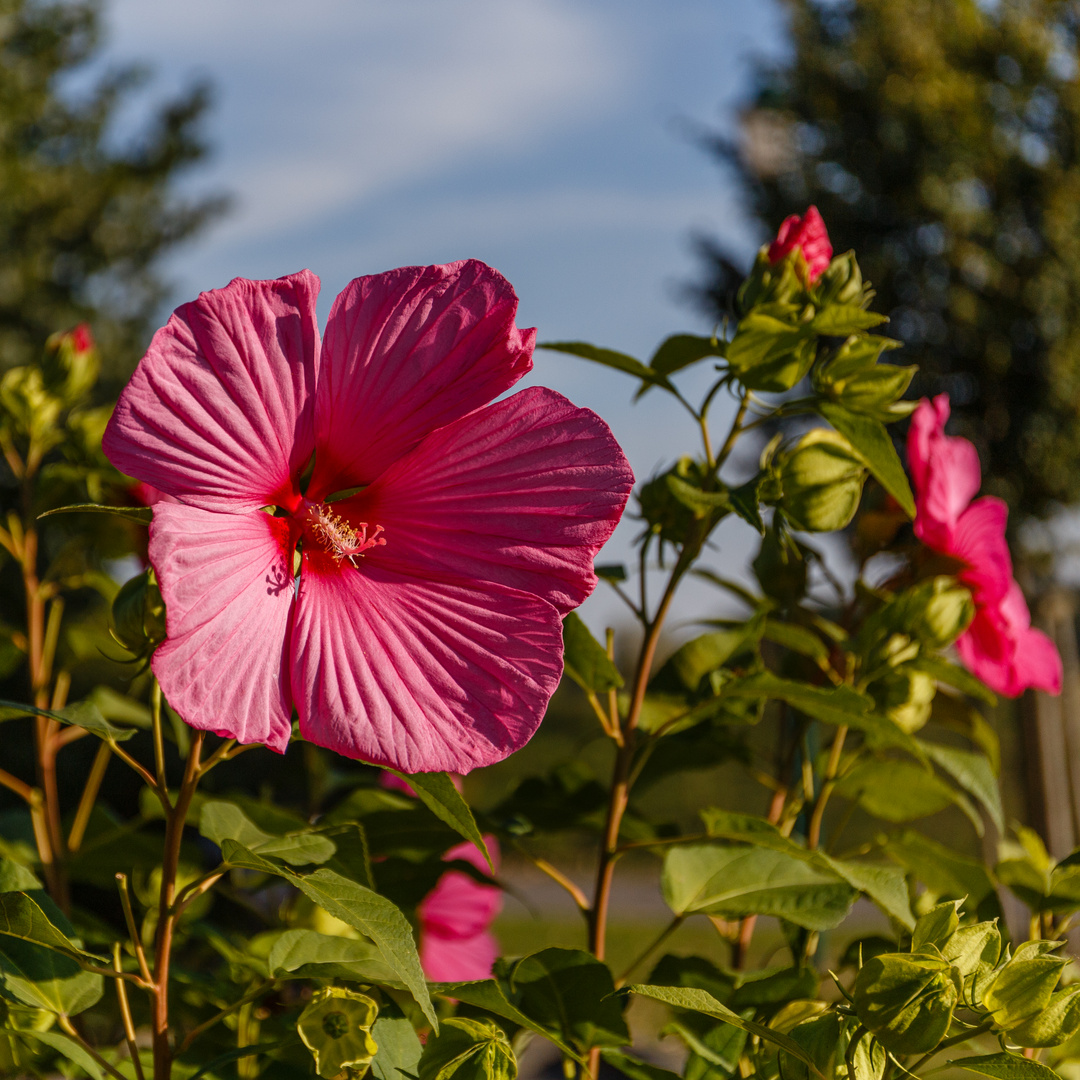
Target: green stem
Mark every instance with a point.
(651, 948)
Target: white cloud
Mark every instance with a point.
(331, 102)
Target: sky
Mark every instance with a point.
(556, 140)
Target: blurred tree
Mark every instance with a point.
(942, 140)
(83, 220)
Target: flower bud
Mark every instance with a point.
(841, 282)
(907, 1001)
(336, 1028)
(780, 568)
(138, 615)
(905, 697)
(806, 234)
(71, 363)
(821, 481)
(468, 1050)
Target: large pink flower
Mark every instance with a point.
(1000, 646)
(456, 944)
(441, 538)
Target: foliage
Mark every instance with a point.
(84, 218)
(942, 142)
(211, 933)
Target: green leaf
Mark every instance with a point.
(839, 320)
(945, 872)
(468, 1050)
(23, 919)
(437, 792)
(141, 515)
(488, 995)
(745, 502)
(797, 638)
(872, 443)
(885, 885)
(770, 354)
(308, 954)
(694, 660)
(571, 993)
(1022, 989)
(14, 877)
(733, 882)
(399, 1049)
(973, 772)
(682, 350)
(685, 997)
(220, 821)
(71, 1049)
(83, 714)
(373, 915)
(900, 791)
(957, 677)
(634, 1067)
(1006, 1067)
(585, 659)
(235, 1054)
(609, 358)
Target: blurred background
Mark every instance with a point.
(619, 161)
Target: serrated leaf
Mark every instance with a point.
(373, 915)
(973, 772)
(83, 714)
(399, 1049)
(733, 882)
(309, 954)
(220, 821)
(586, 661)
(1005, 1066)
(437, 792)
(885, 885)
(872, 443)
(684, 997)
(141, 515)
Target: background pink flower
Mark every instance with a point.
(808, 233)
(442, 538)
(1000, 646)
(456, 944)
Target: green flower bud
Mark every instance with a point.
(841, 282)
(821, 481)
(905, 697)
(1022, 989)
(1057, 1022)
(773, 347)
(780, 568)
(907, 1002)
(29, 408)
(138, 614)
(468, 1050)
(71, 363)
(336, 1028)
(671, 502)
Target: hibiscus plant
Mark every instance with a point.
(352, 548)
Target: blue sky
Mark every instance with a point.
(553, 139)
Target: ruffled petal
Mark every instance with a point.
(979, 540)
(945, 471)
(422, 675)
(457, 960)
(219, 412)
(405, 353)
(228, 589)
(1038, 662)
(523, 493)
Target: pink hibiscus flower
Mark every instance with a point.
(1000, 646)
(440, 538)
(456, 944)
(807, 232)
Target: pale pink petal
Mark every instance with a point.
(979, 540)
(422, 675)
(228, 588)
(945, 471)
(460, 906)
(219, 412)
(524, 493)
(457, 960)
(405, 353)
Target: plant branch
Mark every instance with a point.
(71, 1030)
(831, 769)
(89, 796)
(20, 787)
(125, 1014)
(133, 930)
(651, 948)
(195, 1032)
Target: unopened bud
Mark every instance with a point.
(821, 481)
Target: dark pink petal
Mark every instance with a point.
(422, 675)
(405, 353)
(1038, 662)
(523, 493)
(460, 906)
(219, 411)
(228, 588)
(945, 472)
(808, 233)
(457, 960)
(979, 540)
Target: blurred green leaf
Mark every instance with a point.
(1005, 1066)
(220, 821)
(141, 515)
(973, 772)
(468, 1050)
(586, 660)
(609, 358)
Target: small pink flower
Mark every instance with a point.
(81, 338)
(1000, 646)
(441, 538)
(456, 944)
(808, 233)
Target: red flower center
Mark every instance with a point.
(338, 537)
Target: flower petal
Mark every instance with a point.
(979, 540)
(219, 411)
(945, 471)
(523, 493)
(228, 589)
(458, 960)
(423, 675)
(460, 906)
(405, 353)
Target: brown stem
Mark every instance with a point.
(195, 1032)
(89, 796)
(133, 930)
(174, 834)
(13, 783)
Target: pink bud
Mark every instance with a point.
(81, 338)
(808, 233)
